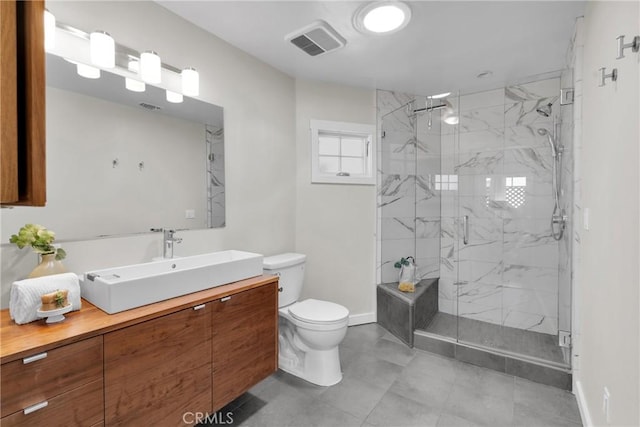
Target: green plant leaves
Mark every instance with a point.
(39, 238)
(403, 261)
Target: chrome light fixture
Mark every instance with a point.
(103, 49)
(49, 30)
(382, 17)
(150, 67)
(96, 51)
(190, 82)
(133, 84)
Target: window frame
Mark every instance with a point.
(343, 129)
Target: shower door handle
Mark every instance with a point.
(465, 229)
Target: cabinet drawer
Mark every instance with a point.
(42, 378)
(83, 406)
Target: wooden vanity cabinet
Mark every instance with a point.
(158, 370)
(148, 366)
(245, 341)
(59, 387)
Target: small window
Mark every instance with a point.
(446, 182)
(342, 153)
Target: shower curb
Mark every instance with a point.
(542, 373)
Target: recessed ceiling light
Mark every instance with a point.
(440, 95)
(383, 17)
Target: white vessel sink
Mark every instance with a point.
(123, 288)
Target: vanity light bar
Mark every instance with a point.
(123, 54)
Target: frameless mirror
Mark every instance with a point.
(122, 162)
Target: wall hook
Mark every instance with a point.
(613, 75)
(141, 166)
(634, 45)
(115, 163)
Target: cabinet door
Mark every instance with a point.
(22, 105)
(245, 341)
(157, 371)
(8, 103)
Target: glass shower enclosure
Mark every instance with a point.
(467, 188)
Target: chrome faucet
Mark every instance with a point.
(169, 240)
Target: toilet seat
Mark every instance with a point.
(318, 312)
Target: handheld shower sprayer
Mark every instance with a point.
(552, 142)
(558, 217)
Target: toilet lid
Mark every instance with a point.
(317, 311)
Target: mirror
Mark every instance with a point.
(122, 162)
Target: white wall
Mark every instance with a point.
(608, 270)
(259, 142)
(335, 224)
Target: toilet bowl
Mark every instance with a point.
(310, 331)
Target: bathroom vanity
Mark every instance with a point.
(146, 366)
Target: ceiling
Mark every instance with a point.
(444, 47)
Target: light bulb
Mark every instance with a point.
(174, 97)
(49, 30)
(103, 49)
(449, 117)
(88, 71)
(190, 82)
(150, 67)
(133, 84)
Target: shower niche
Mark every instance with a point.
(469, 190)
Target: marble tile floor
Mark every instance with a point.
(386, 383)
(535, 344)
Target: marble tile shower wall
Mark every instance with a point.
(409, 206)
(215, 176)
(508, 272)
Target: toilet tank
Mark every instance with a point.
(290, 268)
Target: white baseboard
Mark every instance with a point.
(582, 405)
(361, 319)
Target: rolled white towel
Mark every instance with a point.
(25, 295)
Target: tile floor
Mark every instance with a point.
(386, 383)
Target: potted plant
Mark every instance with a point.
(407, 279)
(41, 241)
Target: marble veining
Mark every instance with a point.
(484, 162)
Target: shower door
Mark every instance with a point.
(500, 261)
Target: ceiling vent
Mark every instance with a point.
(317, 38)
(149, 107)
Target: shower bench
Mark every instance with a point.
(402, 312)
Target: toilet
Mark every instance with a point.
(310, 330)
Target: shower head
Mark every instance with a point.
(552, 142)
(545, 110)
